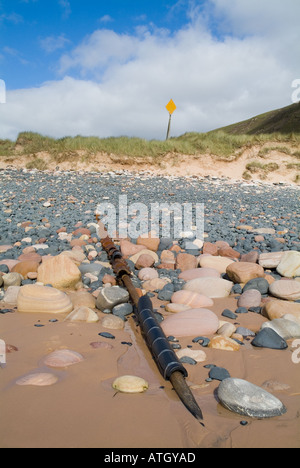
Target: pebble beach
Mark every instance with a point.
(229, 304)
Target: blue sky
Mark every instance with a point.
(34, 33)
(108, 68)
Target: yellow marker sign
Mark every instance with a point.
(171, 107)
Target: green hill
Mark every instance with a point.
(285, 120)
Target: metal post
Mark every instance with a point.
(169, 127)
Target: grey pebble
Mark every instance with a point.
(219, 373)
(229, 314)
(268, 338)
(188, 360)
(107, 335)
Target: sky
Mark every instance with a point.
(109, 68)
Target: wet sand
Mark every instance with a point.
(82, 410)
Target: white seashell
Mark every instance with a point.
(130, 384)
(38, 379)
(62, 358)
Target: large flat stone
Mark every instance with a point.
(247, 399)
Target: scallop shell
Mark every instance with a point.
(130, 384)
(62, 358)
(39, 379)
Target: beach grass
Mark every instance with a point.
(220, 144)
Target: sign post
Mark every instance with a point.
(171, 107)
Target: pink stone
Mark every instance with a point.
(109, 279)
(41, 379)
(250, 298)
(30, 257)
(147, 274)
(167, 257)
(63, 358)
(81, 231)
(251, 257)
(144, 261)
(210, 248)
(4, 248)
(128, 248)
(199, 273)
(9, 263)
(28, 249)
(222, 244)
(229, 252)
(242, 272)
(25, 267)
(192, 299)
(191, 322)
(186, 261)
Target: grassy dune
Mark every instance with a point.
(222, 145)
(227, 144)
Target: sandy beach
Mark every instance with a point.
(83, 410)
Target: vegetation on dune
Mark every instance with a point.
(218, 143)
(278, 131)
(285, 120)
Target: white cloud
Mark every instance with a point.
(14, 18)
(105, 19)
(121, 82)
(98, 50)
(66, 7)
(53, 43)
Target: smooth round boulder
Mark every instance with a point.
(289, 265)
(191, 322)
(59, 271)
(242, 272)
(23, 268)
(250, 298)
(34, 298)
(287, 329)
(210, 287)
(286, 289)
(199, 273)
(192, 299)
(247, 399)
(108, 298)
(216, 263)
(147, 274)
(278, 308)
